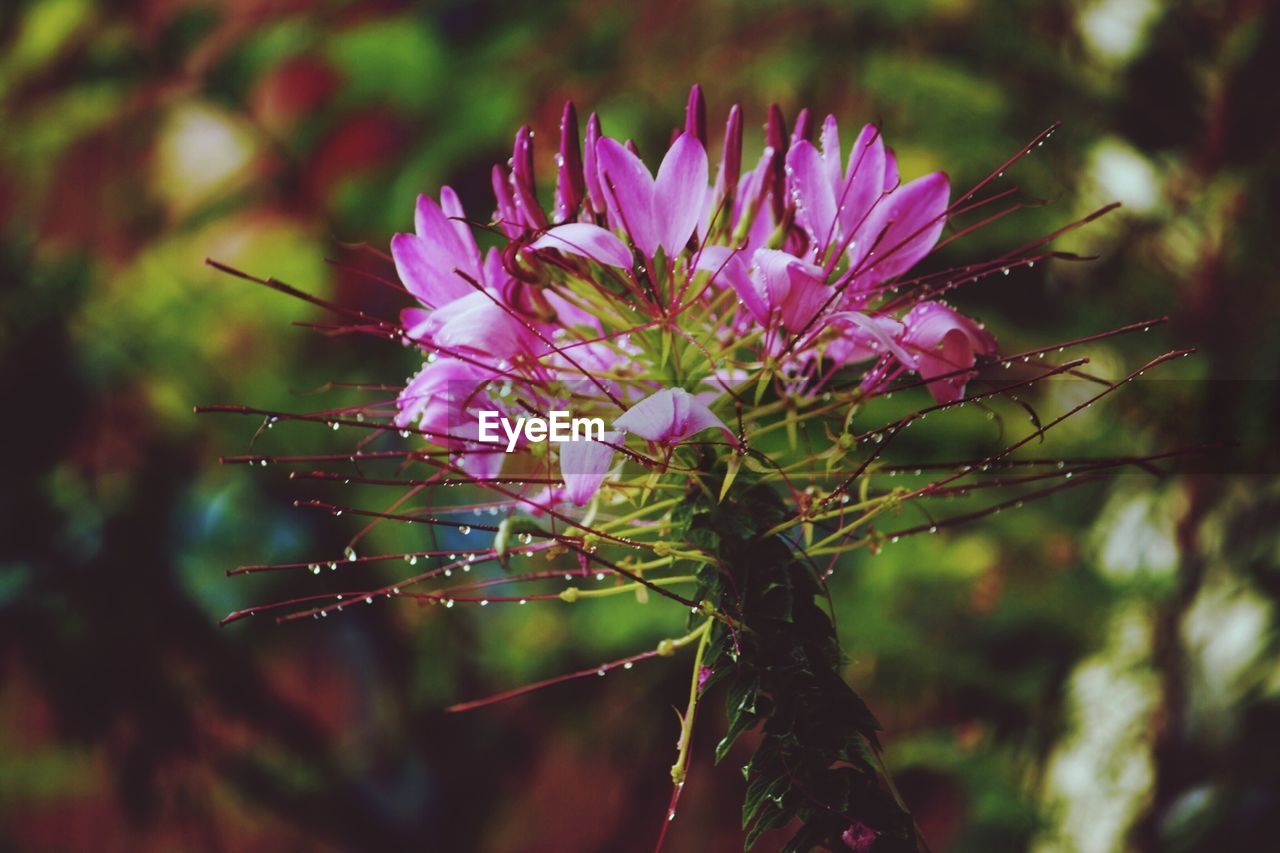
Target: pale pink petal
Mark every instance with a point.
(680, 193)
(588, 241)
(668, 417)
(478, 324)
(584, 464)
(628, 187)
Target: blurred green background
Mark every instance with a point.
(1094, 673)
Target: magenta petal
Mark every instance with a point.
(882, 330)
(903, 227)
(830, 140)
(728, 267)
(679, 194)
(442, 237)
(813, 192)
(451, 206)
(423, 275)
(628, 186)
(587, 241)
(584, 464)
(945, 341)
(808, 296)
(589, 169)
(891, 177)
(864, 180)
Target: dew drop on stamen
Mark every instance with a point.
(314, 569)
(484, 602)
(464, 530)
(368, 599)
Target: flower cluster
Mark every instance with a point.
(650, 299)
(726, 335)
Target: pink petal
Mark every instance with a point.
(584, 464)
(588, 241)
(903, 227)
(478, 324)
(864, 183)
(680, 192)
(891, 177)
(423, 275)
(668, 417)
(770, 270)
(728, 267)
(813, 192)
(628, 186)
(451, 206)
(809, 294)
(442, 238)
(830, 140)
(883, 330)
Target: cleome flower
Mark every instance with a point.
(727, 337)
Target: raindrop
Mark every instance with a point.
(464, 530)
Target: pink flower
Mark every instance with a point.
(832, 203)
(427, 259)
(775, 285)
(669, 417)
(943, 341)
(661, 212)
(886, 228)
